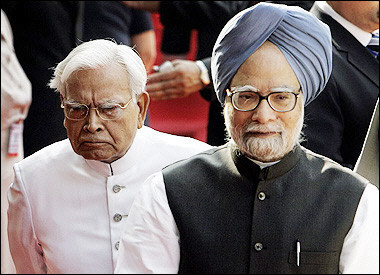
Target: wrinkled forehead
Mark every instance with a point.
(108, 81)
(101, 73)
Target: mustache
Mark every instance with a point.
(255, 127)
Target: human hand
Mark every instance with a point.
(180, 80)
(151, 6)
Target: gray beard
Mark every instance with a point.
(263, 149)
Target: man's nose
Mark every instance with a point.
(94, 122)
(264, 113)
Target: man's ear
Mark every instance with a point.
(64, 120)
(143, 104)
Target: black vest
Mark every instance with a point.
(235, 218)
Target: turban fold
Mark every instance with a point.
(304, 40)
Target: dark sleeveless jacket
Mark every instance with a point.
(235, 218)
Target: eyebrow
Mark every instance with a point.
(72, 101)
(254, 89)
(245, 87)
(112, 101)
(283, 88)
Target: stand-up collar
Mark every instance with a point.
(253, 172)
(245, 166)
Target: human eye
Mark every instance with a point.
(245, 99)
(247, 95)
(282, 97)
(75, 110)
(75, 107)
(109, 107)
(109, 111)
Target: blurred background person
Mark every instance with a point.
(16, 95)
(338, 120)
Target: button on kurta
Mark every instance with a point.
(116, 188)
(117, 217)
(117, 245)
(261, 196)
(258, 246)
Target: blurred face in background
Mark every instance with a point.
(93, 137)
(264, 134)
(363, 14)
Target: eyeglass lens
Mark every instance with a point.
(278, 101)
(80, 111)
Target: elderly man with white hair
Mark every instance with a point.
(70, 200)
(261, 203)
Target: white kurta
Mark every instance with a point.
(150, 241)
(67, 214)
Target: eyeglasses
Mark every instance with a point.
(279, 101)
(108, 111)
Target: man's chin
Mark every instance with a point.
(98, 155)
(262, 156)
(264, 150)
(266, 158)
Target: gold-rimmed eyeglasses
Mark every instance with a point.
(79, 111)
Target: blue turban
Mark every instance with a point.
(304, 40)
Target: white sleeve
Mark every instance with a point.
(360, 252)
(26, 252)
(150, 241)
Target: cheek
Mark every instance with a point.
(294, 116)
(289, 121)
(128, 125)
(240, 118)
(73, 130)
(235, 120)
(293, 120)
(123, 134)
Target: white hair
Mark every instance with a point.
(99, 53)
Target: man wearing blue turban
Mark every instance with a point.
(261, 203)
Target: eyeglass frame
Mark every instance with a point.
(230, 93)
(94, 108)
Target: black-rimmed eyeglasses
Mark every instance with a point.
(279, 101)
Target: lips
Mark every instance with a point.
(263, 131)
(92, 143)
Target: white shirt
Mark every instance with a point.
(150, 242)
(362, 36)
(67, 213)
